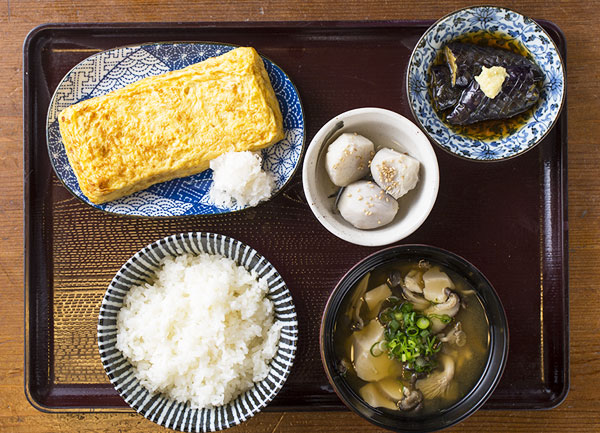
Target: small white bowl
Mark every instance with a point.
(385, 129)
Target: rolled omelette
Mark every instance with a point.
(170, 125)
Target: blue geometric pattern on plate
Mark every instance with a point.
(113, 69)
(489, 19)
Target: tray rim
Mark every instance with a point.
(38, 32)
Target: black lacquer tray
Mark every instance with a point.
(508, 218)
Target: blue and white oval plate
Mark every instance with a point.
(110, 70)
(487, 19)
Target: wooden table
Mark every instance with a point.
(579, 412)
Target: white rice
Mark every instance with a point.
(203, 332)
(239, 180)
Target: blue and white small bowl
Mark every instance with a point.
(488, 19)
(159, 408)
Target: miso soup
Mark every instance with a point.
(412, 337)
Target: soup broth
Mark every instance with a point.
(386, 382)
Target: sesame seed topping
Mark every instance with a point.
(388, 173)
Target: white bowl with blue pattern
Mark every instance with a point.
(110, 70)
(166, 411)
(487, 19)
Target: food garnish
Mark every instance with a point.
(408, 336)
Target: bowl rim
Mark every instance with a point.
(172, 413)
(551, 125)
(314, 154)
(497, 353)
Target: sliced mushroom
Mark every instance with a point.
(413, 281)
(412, 400)
(394, 280)
(448, 308)
(357, 301)
(343, 367)
(455, 336)
(418, 301)
(358, 322)
(437, 382)
(436, 282)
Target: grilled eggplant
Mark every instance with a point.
(443, 93)
(477, 83)
(466, 60)
(519, 93)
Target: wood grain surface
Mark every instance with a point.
(580, 412)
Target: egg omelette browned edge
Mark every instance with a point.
(170, 125)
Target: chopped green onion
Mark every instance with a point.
(411, 331)
(408, 336)
(376, 349)
(444, 318)
(423, 323)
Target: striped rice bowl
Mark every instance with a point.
(127, 338)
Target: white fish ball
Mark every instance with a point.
(366, 206)
(348, 158)
(396, 173)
